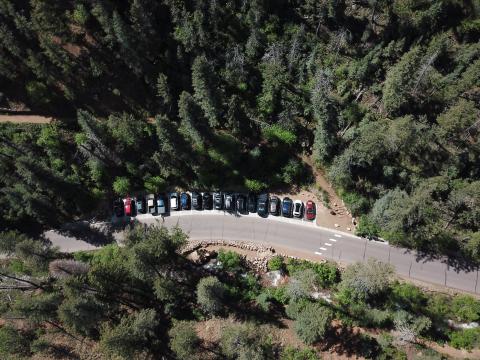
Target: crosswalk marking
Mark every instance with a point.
(322, 248)
(334, 240)
(318, 253)
(337, 235)
(328, 244)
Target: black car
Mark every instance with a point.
(287, 207)
(218, 201)
(207, 201)
(262, 205)
(185, 201)
(229, 202)
(196, 201)
(140, 205)
(118, 208)
(242, 204)
(274, 205)
(252, 203)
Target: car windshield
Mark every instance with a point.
(160, 202)
(297, 207)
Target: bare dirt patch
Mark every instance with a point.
(26, 119)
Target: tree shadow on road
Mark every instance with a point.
(97, 235)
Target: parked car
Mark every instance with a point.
(140, 205)
(185, 201)
(218, 200)
(242, 204)
(262, 205)
(128, 206)
(174, 201)
(151, 206)
(161, 205)
(229, 202)
(207, 201)
(287, 207)
(310, 210)
(274, 205)
(118, 208)
(252, 203)
(297, 208)
(196, 201)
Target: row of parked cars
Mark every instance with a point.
(262, 204)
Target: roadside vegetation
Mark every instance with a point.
(159, 94)
(148, 300)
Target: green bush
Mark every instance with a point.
(466, 308)
(83, 256)
(291, 353)
(255, 185)
(279, 294)
(276, 263)
(277, 133)
(184, 340)
(366, 227)
(121, 185)
(312, 323)
(465, 339)
(12, 342)
(408, 297)
(328, 274)
(231, 261)
(294, 308)
(356, 203)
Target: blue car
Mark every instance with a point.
(287, 207)
(185, 201)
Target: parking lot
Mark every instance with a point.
(238, 204)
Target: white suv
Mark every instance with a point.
(297, 208)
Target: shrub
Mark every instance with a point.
(366, 227)
(245, 342)
(121, 185)
(184, 340)
(312, 323)
(255, 185)
(466, 308)
(12, 342)
(231, 261)
(279, 294)
(465, 339)
(328, 274)
(210, 294)
(263, 301)
(250, 287)
(408, 297)
(276, 263)
(356, 203)
(291, 353)
(84, 256)
(295, 307)
(276, 132)
(294, 172)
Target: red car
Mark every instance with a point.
(127, 206)
(310, 210)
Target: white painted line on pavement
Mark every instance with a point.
(322, 248)
(334, 240)
(318, 253)
(338, 235)
(328, 244)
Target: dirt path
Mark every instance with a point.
(25, 119)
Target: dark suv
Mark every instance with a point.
(287, 207)
(242, 204)
(218, 201)
(262, 205)
(252, 203)
(207, 201)
(196, 201)
(118, 208)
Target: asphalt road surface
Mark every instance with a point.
(297, 235)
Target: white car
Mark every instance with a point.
(297, 208)
(173, 201)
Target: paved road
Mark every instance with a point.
(300, 236)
